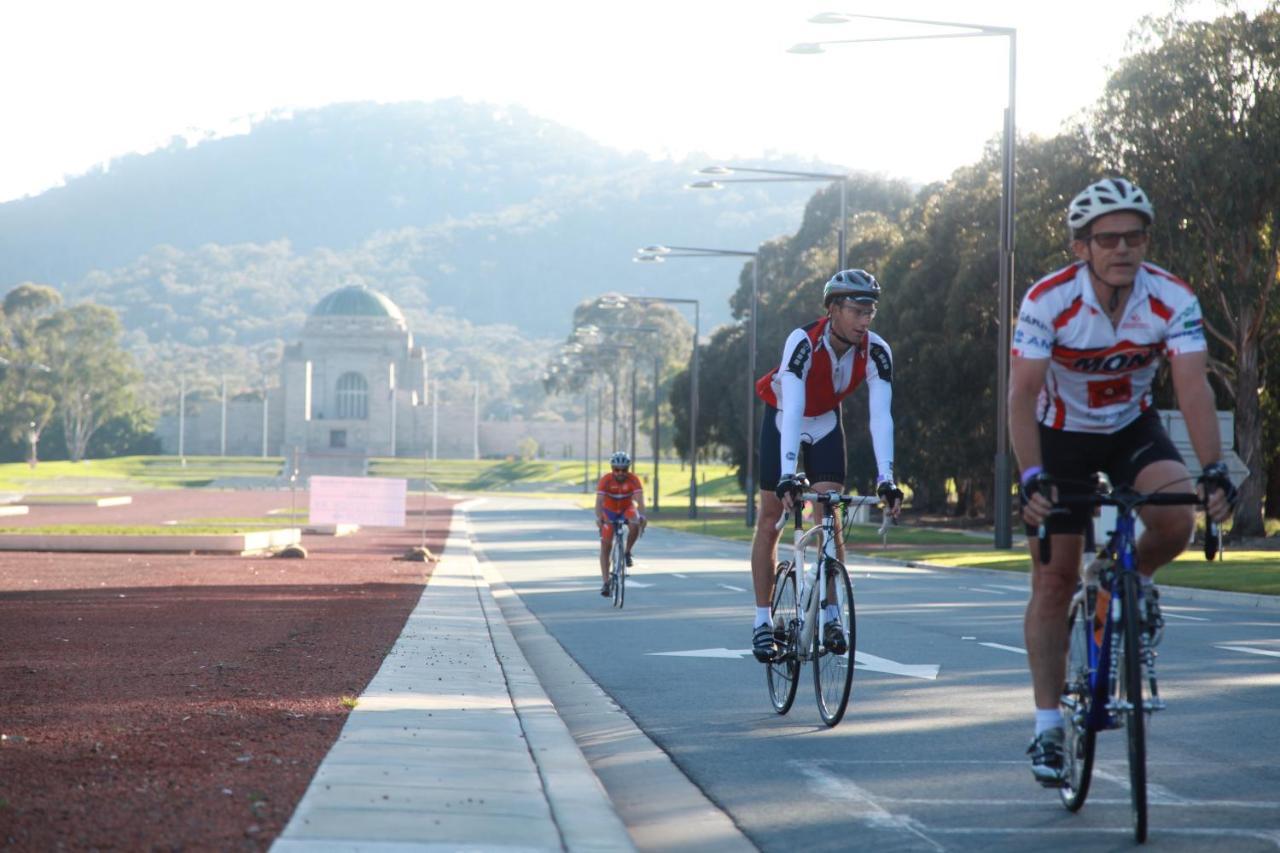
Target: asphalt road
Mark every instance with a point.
(919, 762)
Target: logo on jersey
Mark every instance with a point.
(799, 359)
(884, 364)
(1115, 362)
(1109, 392)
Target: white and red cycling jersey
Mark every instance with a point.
(809, 384)
(1100, 375)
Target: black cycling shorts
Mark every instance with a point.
(822, 461)
(1071, 459)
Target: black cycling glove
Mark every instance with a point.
(1037, 484)
(1216, 476)
(889, 492)
(791, 483)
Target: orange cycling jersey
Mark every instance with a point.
(618, 494)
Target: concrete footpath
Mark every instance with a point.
(454, 745)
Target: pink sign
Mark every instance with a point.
(371, 501)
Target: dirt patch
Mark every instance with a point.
(184, 702)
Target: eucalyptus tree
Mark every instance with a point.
(1194, 117)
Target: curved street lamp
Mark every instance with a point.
(659, 254)
(779, 176)
(1003, 533)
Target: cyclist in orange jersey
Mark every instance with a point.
(619, 493)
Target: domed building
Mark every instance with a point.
(352, 382)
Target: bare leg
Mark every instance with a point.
(1045, 625)
(1168, 528)
(764, 547)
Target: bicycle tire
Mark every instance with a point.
(619, 569)
(783, 672)
(832, 672)
(1131, 687)
(1077, 706)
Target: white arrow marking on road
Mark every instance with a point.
(1248, 650)
(927, 671)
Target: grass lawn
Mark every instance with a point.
(134, 472)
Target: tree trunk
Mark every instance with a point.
(1248, 517)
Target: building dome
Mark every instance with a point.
(357, 301)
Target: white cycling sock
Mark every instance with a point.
(831, 612)
(1050, 718)
(762, 617)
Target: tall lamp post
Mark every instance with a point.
(616, 301)
(658, 254)
(780, 176)
(592, 331)
(1003, 533)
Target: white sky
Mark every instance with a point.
(87, 81)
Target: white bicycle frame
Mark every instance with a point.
(804, 592)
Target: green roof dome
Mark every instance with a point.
(357, 301)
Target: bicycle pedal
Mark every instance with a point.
(1155, 704)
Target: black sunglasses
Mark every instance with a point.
(1111, 239)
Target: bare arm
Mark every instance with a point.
(1026, 378)
(1195, 400)
(599, 507)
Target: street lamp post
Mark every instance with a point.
(592, 330)
(781, 177)
(1003, 533)
(658, 254)
(621, 301)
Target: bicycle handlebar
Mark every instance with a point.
(1127, 500)
(830, 498)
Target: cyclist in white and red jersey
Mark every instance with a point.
(1086, 348)
(822, 363)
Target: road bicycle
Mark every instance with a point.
(801, 618)
(1111, 657)
(618, 561)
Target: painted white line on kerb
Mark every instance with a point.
(1251, 651)
(1004, 647)
(730, 587)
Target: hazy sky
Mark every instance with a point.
(88, 81)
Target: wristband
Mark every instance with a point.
(1029, 473)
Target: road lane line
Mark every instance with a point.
(1004, 647)
(1251, 651)
(863, 805)
(678, 575)
(1169, 615)
(730, 587)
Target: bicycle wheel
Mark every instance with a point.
(1077, 703)
(1135, 716)
(833, 671)
(783, 672)
(619, 568)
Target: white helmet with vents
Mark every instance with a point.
(621, 459)
(1110, 195)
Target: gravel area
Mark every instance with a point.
(166, 702)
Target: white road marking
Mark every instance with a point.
(1156, 794)
(862, 660)
(860, 804)
(638, 584)
(1004, 647)
(1169, 615)
(730, 587)
(1251, 651)
(678, 575)
(968, 638)
(987, 590)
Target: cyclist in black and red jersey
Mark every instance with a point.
(1085, 351)
(822, 363)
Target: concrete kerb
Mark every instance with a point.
(452, 746)
(661, 807)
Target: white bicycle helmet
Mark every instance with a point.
(859, 285)
(1110, 195)
(621, 459)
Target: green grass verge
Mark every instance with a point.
(862, 537)
(126, 472)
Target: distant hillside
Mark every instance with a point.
(495, 214)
